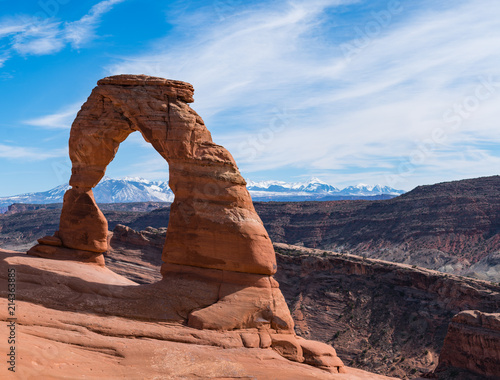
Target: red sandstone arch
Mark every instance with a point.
(212, 224)
(218, 258)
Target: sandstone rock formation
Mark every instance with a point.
(472, 344)
(150, 237)
(212, 224)
(218, 258)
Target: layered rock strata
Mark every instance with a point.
(472, 344)
(218, 258)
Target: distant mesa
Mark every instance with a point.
(218, 259)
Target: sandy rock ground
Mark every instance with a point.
(60, 343)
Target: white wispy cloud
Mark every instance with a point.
(14, 152)
(81, 31)
(59, 120)
(33, 35)
(152, 167)
(9, 27)
(39, 39)
(368, 112)
(138, 158)
(226, 62)
(3, 58)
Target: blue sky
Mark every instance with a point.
(400, 93)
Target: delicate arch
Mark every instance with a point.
(213, 223)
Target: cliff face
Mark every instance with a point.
(385, 317)
(472, 344)
(448, 226)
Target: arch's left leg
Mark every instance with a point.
(95, 137)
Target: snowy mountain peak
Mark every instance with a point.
(287, 185)
(264, 184)
(317, 180)
(136, 179)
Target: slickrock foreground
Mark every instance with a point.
(66, 329)
(218, 258)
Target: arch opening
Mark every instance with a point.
(136, 159)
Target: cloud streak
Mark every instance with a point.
(366, 113)
(13, 152)
(59, 120)
(35, 35)
(82, 31)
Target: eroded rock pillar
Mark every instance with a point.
(213, 223)
(95, 136)
(82, 225)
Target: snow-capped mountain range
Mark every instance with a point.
(318, 187)
(129, 189)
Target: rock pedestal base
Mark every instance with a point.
(50, 247)
(233, 309)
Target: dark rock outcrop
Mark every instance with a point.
(150, 237)
(383, 317)
(472, 344)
